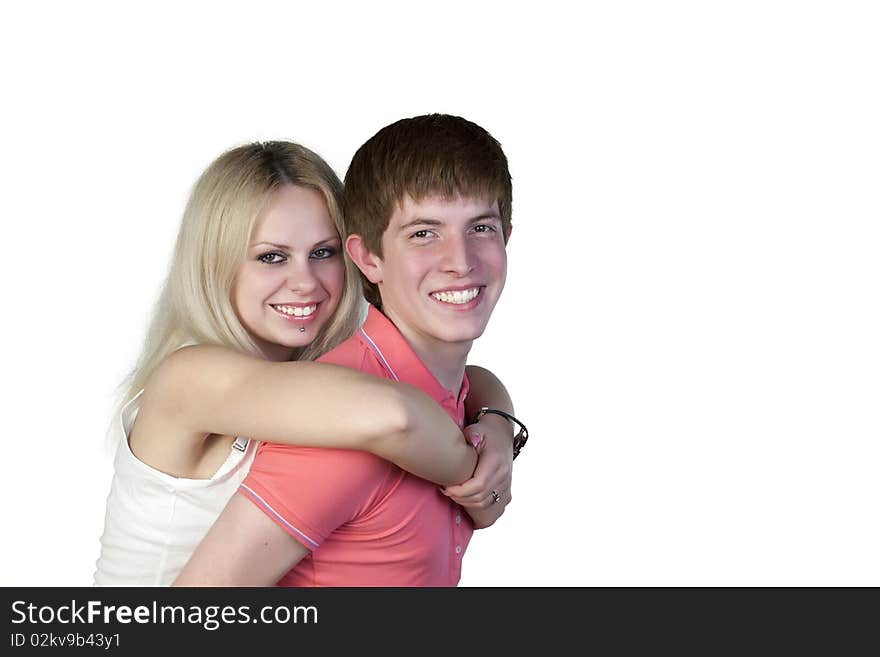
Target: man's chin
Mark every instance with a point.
(461, 334)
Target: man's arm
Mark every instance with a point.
(290, 494)
(495, 466)
(245, 547)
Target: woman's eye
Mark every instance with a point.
(323, 253)
(421, 234)
(272, 258)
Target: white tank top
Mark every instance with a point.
(155, 521)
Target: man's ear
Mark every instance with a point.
(369, 264)
(509, 233)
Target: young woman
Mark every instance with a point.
(259, 287)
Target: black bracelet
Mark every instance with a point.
(519, 440)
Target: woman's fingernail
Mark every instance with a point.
(475, 439)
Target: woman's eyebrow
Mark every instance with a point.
(285, 247)
(272, 244)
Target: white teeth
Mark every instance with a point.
(458, 297)
(297, 311)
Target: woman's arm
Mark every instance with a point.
(494, 436)
(204, 389)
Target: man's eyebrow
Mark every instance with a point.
(426, 221)
(420, 221)
(487, 215)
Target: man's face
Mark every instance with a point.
(442, 270)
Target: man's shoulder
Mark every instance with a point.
(294, 468)
(316, 490)
(317, 463)
(354, 353)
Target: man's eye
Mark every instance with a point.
(323, 253)
(272, 258)
(421, 234)
(484, 228)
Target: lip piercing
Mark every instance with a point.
(302, 329)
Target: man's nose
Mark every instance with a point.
(458, 256)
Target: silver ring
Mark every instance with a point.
(495, 497)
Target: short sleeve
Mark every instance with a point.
(310, 492)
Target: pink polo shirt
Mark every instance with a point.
(365, 521)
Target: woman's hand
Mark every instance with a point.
(492, 478)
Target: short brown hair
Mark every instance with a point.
(433, 154)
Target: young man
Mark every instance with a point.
(428, 216)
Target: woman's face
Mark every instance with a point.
(293, 274)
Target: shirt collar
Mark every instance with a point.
(400, 361)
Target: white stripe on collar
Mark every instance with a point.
(378, 352)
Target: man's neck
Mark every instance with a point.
(445, 360)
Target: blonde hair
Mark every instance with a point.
(195, 305)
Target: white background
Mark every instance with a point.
(690, 327)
